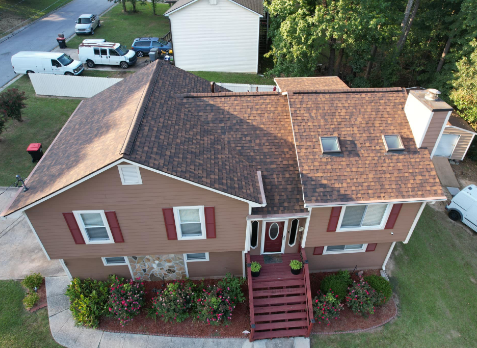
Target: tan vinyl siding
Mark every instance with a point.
(434, 129)
(463, 143)
(139, 212)
(219, 265)
(317, 235)
(363, 260)
(95, 269)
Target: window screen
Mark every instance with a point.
(190, 222)
(115, 260)
(254, 236)
(94, 226)
(363, 215)
(197, 257)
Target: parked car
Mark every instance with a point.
(463, 207)
(57, 63)
(99, 51)
(86, 24)
(143, 45)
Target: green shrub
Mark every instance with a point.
(362, 298)
(174, 302)
(326, 307)
(126, 299)
(382, 286)
(30, 300)
(295, 264)
(255, 267)
(33, 281)
(337, 283)
(88, 301)
(214, 306)
(232, 287)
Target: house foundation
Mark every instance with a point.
(158, 267)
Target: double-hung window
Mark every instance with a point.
(190, 222)
(343, 249)
(94, 226)
(364, 217)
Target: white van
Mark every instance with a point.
(463, 207)
(57, 63)
(99, 51)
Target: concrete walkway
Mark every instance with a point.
(444, 172)
(67, 334)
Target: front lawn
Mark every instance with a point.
(435, 277)
(117, 26)
(19, 328)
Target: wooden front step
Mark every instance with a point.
(280, 316)
(279, 292)
(261, 335)
(281, 325)
(279, 300)
(276, 309)
(263, 283)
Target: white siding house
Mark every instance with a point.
(216, 35)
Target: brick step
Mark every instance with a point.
(279, 333)
(279, 300)
(281, 316)
(281, 325)
(276, 309)
(259, 284)
(279, 292)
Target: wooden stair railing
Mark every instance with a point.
(167, 37)
(250, 296)
(309, 303)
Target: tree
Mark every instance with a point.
(123, 4)
(3, 120)
(464, 93)
(154, 4)
(407, 23)
(12, 102)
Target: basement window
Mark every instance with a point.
(330, 144)
(197, 257)
(393, 142)
(114, 261)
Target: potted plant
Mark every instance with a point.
(255, 268)
(296, 266)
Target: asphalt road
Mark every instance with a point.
(41, 35)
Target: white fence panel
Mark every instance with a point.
(240, 87)
(70, 86)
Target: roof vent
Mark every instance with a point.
(330, 144)
(432, 94)
(393, 142)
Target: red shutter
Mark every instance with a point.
(393, 216)
(334, 218)
(74, 228)
(371, 247)
(318, 250)
(114, 226)
(170, 223)
(209, 213)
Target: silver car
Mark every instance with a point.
(86, 24)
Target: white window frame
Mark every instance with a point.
(115, 264)
(362, 250)
(121, 166)
(364, 228)
(251, 233)
(82, 228)
(178, 222)
(206, 257)
(296, 234)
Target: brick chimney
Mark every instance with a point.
(427, 115)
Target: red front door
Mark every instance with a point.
(273, 236)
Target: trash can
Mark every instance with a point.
(35, 151)
(154, 54)
(61, 40)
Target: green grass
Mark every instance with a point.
(19, 328)
(102, 73)
(234, 78)
(43, 119)
(117, 26)
(14, 12)
(435, 277)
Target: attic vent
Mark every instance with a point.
(330, 144)
(393, 142)
(130, 175)
(432, 94)
(213, 2)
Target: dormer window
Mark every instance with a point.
(393, 142)
(330, 144)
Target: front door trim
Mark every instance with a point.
(284, 236)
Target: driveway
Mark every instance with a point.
(20, 252)
(41, 35)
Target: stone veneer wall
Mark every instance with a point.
(158, 267)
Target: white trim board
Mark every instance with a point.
(461, 129)
(36, 235)
(440, 134)
(194, 1)
(395, 201)
(416, 219)
(305, 232)
(388, 255)
(65, 268)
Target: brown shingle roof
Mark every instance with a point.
(309, 83)
(254, 5)
(364, 171)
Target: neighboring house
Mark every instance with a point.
(456, 139)
(216, 35)
(158, 178)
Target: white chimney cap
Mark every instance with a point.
(432, 94)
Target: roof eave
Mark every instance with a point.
(394, 201)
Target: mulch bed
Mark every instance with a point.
(348, 321)
(42, 301)
(188, 328)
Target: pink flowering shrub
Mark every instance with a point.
(126, 299)
(215, 306)
(362, 298)
(326, 307)
(174, 302)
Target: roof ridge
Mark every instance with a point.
(350, 90)
(226, 94)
